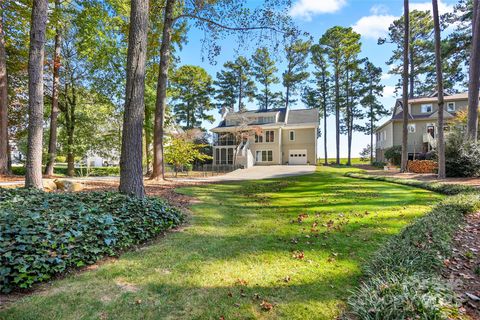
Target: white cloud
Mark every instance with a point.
(374, 26)
(379, 9)
(305, 9)
(389, 91)
(386, 76)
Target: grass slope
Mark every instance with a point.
(343, 161)
(244, 245)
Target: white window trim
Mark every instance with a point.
(260, 137)
(261, 151)
(426, 105)
(454, 106)
(265, 138)
(290, 135)
(412, 125)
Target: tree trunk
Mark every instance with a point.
(337, 115)
(371, 132)
(70, 155)
(148, 141)
(411, 94)
(33, 176)
(240, 93)
(287, 96)
(161, 103)
(405, 87)
(266, 96)
(131, 173)
(349, 116)
(325, 125)
(438, 66)
(3, 104)
(474, 74)
(52, 144)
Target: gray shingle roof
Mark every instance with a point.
(302, 116)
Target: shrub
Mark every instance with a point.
(42, 234)
(379, 164)
(462, 156)
(411, 297)
(394, 155)
(422, 166)
(403, 280)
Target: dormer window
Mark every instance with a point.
(232, 122)
(268, 119)
(451, 106)
(426, 108)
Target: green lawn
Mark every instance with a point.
(344, 161)
(297, 243)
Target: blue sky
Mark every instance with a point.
(370, 18)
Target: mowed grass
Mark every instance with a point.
(283, 249)
(344, 161)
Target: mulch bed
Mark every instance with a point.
(463, 268)
(11, 178)
(163, 189)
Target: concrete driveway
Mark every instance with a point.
(265, 172)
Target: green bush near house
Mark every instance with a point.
(462, 156)
(394, 155)
(43, 234)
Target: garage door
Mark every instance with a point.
(297, 157)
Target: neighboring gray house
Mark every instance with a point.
(266, 137)
(422, 124)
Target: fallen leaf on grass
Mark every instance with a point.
(266, 306)
(241, 282)
(298, 255)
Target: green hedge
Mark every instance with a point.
(93, 172)
(43, 234)
(403, 280)
(443, 188)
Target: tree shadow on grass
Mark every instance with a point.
(242, 248)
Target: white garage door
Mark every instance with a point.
(297, 157)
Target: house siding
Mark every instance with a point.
(304, 139)
(274, 146)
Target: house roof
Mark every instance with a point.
(302, 116)
(285, 117)
(433, 98)
(427, 99)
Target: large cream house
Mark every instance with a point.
(266, 137)
(422, 124)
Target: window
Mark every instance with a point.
(451, 106)
(426, 108)
(292, 135)
(224, 156)
(411, 128)
(264, 156)
(268, 119)
(232, 122)
(269, 136)
(258, 138)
